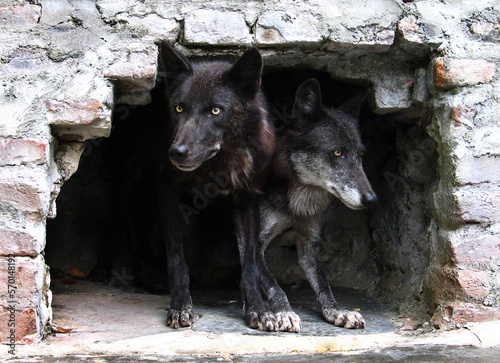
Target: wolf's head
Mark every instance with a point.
(207, 101)
(325, 146)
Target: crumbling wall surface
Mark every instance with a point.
(462, 281)
(65, 64)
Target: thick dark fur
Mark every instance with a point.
(222, 143)
(319, 158)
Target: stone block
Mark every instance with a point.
(409, 30)
(279, 27)
(150, 27)
(450, 73)
(135, 70)
(359, 30)
(478, 203)
(24, 242)
(22, 152)
(392, 93)
(206, 26)
(370, 39)
(453, 315)
(392, 81)
(65, 14)
(56, 12)
(19, 16)
(473, 247)
(25, 188)
(474, 170)
(411, 38)
(26, 329)
(23, 279)
(80, 119)
(72, 113)
(474, 283)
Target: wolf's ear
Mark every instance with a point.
(308, 100)
(247, 72)
(173, 61)
(353, 105)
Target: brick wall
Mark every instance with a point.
(65, 65)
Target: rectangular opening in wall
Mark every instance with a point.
(105, 247)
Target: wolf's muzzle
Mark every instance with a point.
(178, 153)
(369, 198)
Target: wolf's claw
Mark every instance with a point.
(288, 321)
(180, 318)
(344, 318)
(261, 321)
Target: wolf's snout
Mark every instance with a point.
(369, 198)
(178, 153)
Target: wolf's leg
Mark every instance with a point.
(286, 319)
(180, 313)
(247, 223)
(311, 262)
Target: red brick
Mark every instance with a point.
(454, 314)
(474, 283)
(20, 243)
(19, 152)
(26, 328)
(20, 16)
(26, 189)
(478, 203)
(71, 113)
(476, 252)
(29, 274)
(449, 73)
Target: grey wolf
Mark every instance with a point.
(221, 144)
(318, 158)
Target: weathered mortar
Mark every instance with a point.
(65, 64)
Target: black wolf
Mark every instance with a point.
(318, 158)
(222, 143)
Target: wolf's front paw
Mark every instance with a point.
(261, 321)
(287, 321)
(344, 318)
(180, 318)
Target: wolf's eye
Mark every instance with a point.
(362, 153)
(337, 152)
(216, 110)
(179, 108)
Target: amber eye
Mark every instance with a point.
(216, 110)
(337, 152)
(179, 108)
(362, 153)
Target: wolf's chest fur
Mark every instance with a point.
(307, 200)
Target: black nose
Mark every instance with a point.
(369, 198)
(178, 153)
